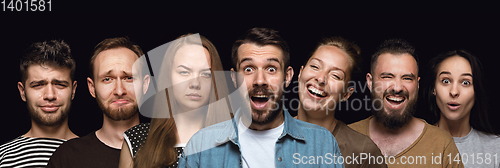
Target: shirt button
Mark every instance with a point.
(279, 159)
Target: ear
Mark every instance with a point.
(418, 82)
(369, 80)
(300, 71)
(20, 86)
(91, 86)
(145, 84)
(348, 94)
(288, 75)
(233, 77)
(74, 90)
(434, 91)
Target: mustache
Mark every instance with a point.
(403, 93)
(260, 90)
(121, 97)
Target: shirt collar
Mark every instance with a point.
(230, 132)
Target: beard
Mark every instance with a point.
(261, 117)
(121, 113)
(394, 119)
(48, 119)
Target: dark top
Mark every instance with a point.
(353, 143)
(86, 151)
(136, 137)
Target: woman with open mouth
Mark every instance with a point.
(458, 102)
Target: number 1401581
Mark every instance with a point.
(27, 5)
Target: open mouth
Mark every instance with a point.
(316, 92)
(395, 101)
(259, 101)
(453, 106)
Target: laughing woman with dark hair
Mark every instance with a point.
(457, 99)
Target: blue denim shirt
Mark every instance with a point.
(301, 144)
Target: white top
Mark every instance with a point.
(479, 149)
(258, 147)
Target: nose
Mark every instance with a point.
(260, 79)
(194, 83)
(321, 78)
(119, 88)
(50, 94)
(454, 92)
(398, 87)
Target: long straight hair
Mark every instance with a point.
(158, 150)
(479, 112)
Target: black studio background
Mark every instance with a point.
(432, 29)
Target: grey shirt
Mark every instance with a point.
(479, 149)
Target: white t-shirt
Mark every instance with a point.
(258, 147)
(479, 149)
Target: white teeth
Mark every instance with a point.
(395, 99)
(316, 91)
(260, 96)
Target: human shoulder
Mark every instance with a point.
(361, 126)
(305, 127)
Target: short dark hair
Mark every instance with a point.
(261, 37)
(112, 43)
(52, 53)
(396, 47)
(479, 112)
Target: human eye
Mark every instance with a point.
(248, 69)
(315, 67)
(106, 79)
(184, 73)
(129, 78)
(271, 69)
(445, 81)
(206, 74)
(466, 83)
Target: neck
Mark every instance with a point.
(273, 124)
(188, 123)
(318, 117)
(457, 128)
(111, 131)
(60, 131)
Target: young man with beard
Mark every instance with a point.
(47, 86)
(405, 141)
(112, 83)
(262, 133)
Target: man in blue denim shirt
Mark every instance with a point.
(262, 133)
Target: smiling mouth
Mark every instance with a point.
(316, 92)
(395, 100)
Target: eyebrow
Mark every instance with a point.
(268, 60)
(45, 81)
(334, 68)
(111, 70)
(449, 73)
(189, 69)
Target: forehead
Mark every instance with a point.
(259, 53)
(332, 56)
(455, 64)
(44, 71)
(396, 64)
(187, 53)
(117, 58)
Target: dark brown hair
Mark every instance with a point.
(52, 53)
(261, 37)
(112, 43)
(393, 46)
(479, 112)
